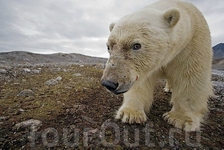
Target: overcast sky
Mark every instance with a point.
(78, 26)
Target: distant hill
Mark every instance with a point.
(218, 51)
(218, 56)
(27, 58)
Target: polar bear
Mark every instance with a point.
(168, 39)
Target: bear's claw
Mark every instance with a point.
(168, 90)
(128, 115)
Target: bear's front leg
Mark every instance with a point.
(136, 104)
(189, 104)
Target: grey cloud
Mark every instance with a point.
(214, 12)
(76, 26)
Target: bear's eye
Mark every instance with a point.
(108, 48)
(136, 46)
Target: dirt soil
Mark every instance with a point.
(78, 113)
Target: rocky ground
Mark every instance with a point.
(65, 107)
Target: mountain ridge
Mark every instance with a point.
(218, 51)
(29, 58)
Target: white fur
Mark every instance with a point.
(176, 45)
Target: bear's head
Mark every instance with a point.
(138, 45)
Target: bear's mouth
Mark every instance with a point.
(122, 88)
(117, 92)
(116, 88)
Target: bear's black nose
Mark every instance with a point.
(109, 85)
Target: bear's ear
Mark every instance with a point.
(172, 16)
(111, 26)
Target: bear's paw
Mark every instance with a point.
(181, 121)
(129, 115)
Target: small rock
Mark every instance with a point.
(77, 74)
(59, 78)
(81, 66)
(2, 62)
(53, 81)
(26, 93)
(21, 110)
(26, 70)
(36, 71)
(3, 71)
(68, 87)
(29, 123)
